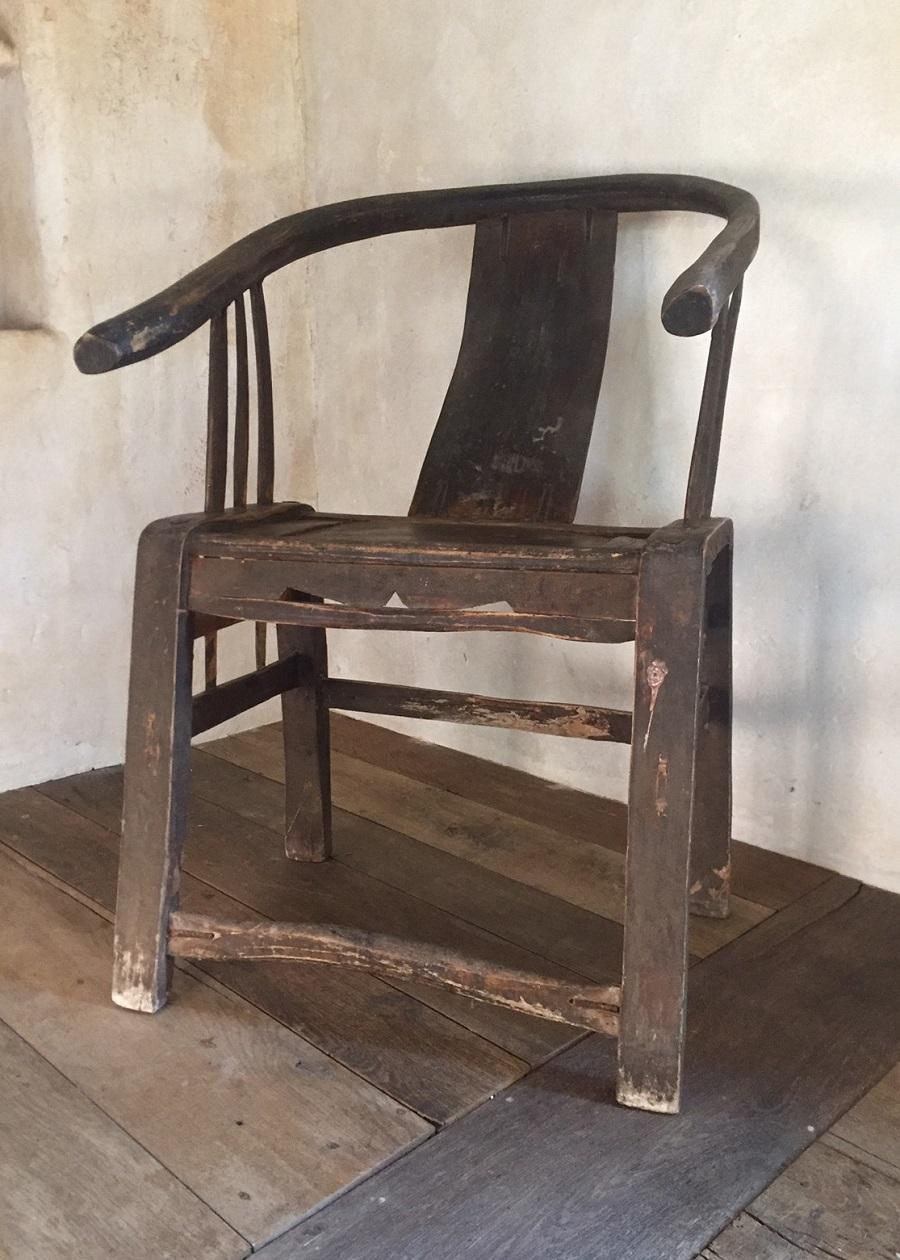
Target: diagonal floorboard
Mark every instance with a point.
(841, 1198)
(430, 1063)
(586, 874)
(258, 1123)
(758, 875)
(784, 1034)
(63, 1162)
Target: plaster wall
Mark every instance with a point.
(800, 103)
(138, 139)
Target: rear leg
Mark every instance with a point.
(711, 824)
(307, 761)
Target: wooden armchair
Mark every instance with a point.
(490, 524)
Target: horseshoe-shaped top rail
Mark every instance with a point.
(691, 305)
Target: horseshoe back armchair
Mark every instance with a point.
(490, 523)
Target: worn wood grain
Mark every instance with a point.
(304, 612)
(307, 750)
(760, 875)
(157, 744)
(420, 542)
(828, 1204)
(577, 721)
(228, 940)
(662, 814)
(557, 1170)
(574, 870)
(385, 1033)
(239, 1108)
(532, 355)
(72, 1182)
(870, 1131)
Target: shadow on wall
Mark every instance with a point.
(23, 289)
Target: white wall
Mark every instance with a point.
(155, 133)
(138, 139)
(800, 104)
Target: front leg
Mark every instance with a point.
(157, 768)
(669, 636)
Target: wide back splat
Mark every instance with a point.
(512, 438)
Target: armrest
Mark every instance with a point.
(694, 302)
(691, 305)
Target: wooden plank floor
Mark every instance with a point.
(840, 1198)
(294, 1082)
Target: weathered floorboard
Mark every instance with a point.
(556, 1171)
(72, 1183)
(239, 1108)
(771, 879)
(870, 1131)
(826, 1199)
(581, 942)
(574, 870)
(390, 1037)
(826, 1204)
(746, 1238)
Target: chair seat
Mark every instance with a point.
(427, 541)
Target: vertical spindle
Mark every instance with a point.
(265, 467)
(241, 406)
(265, 427)
(217, 414)
(216, 447)
(705, 457)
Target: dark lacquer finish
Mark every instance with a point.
(489, 544)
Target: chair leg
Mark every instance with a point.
(307, 762)
(157, 771)
(669, 635)
(711, 826)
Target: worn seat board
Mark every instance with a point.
(421, 540)
(788, 1026)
